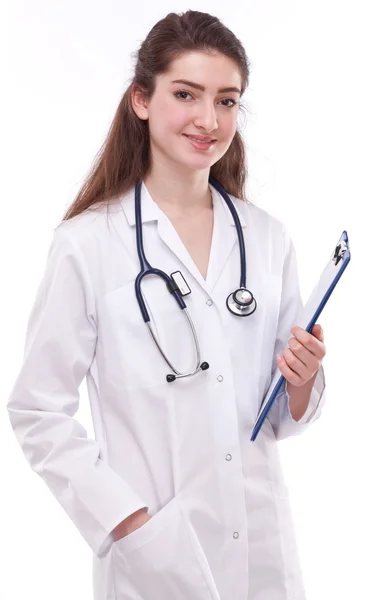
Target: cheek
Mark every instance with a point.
(178, 118)
(169, 118)
(228, 125)
(228, 129)
(165, 129)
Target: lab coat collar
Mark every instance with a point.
(150, 211)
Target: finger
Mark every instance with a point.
(310, 361)
(301, 369)
(299, 350)
(315, 346)
(290, 375)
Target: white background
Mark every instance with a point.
(68, 64)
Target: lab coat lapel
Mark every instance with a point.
(224, 237)
(150, 212)
(170, 237)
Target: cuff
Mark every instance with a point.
(284, 425)
(316, 401)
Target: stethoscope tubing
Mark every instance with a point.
(147, 269)
(195, 339)
(239, 230)
(239, 307)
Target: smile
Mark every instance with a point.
(191, 137)
(200, 144)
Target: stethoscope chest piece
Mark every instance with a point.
(241, 302)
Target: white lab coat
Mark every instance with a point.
(221, 526)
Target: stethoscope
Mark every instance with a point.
(241, 302)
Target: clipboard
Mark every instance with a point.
(329, 278)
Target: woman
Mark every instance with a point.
(172, 497)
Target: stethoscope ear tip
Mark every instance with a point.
(204, 366)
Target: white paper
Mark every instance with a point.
(304, 319)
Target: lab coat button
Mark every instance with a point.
(209, 302)
(220, 378)
(228, 457)
(235, 535)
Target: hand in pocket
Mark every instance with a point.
(130, 524)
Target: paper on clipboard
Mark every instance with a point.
(308, 317)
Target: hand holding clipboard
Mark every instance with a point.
(319, 297)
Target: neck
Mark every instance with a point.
(174, 193)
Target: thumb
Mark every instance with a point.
(317, 331)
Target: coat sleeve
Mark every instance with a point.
(59, 349)
(291, 306)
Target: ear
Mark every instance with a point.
(139, 103)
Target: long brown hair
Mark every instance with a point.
(124, 157)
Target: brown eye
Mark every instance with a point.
(181, 92)
(234, 102)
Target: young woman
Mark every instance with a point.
(173, 498)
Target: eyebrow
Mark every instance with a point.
(202, 88)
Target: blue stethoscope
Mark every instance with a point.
(241, 302)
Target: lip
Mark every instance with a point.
(203, 138)
(201, 146)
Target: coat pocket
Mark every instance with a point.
(162, 560)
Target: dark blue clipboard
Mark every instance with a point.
(328, 280)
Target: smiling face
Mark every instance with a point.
(178, 108)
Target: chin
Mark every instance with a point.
(198, 163)
(198, 166)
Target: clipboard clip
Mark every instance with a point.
(339, 252)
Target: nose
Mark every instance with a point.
(206, 117)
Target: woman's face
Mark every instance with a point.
(177, 109)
